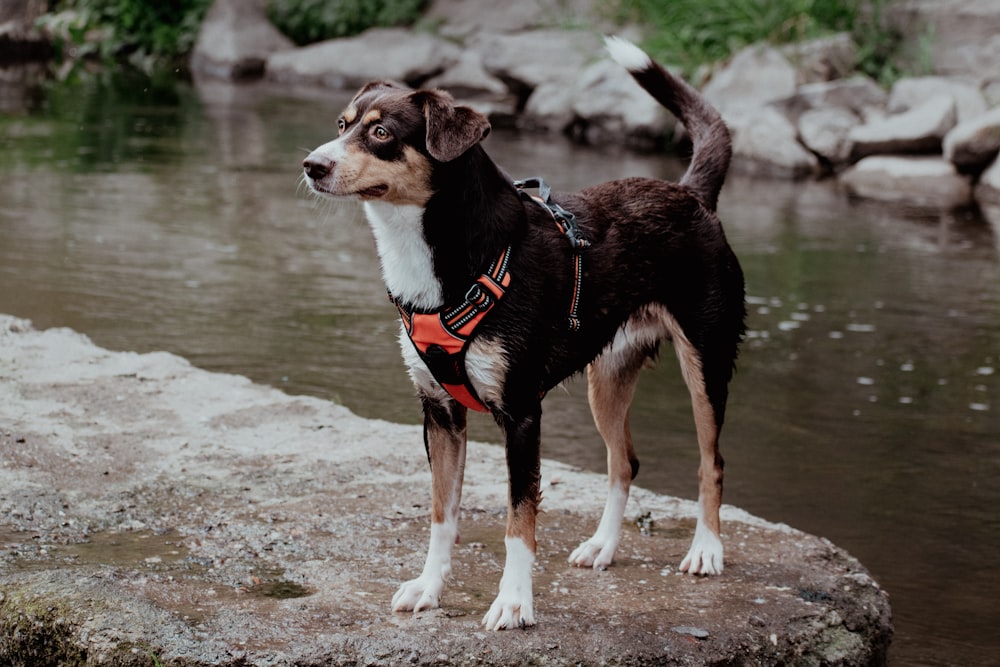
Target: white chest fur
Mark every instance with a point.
(407, 264)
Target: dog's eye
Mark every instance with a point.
(380, 133)
(341, 124)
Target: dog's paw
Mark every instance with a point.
(508, 613)
(705, 555)
(418, 594)
(595, 553)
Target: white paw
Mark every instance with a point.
(507, 613)
(419, 594)
(596, 553)
(705, 555)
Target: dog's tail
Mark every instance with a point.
(711, 142)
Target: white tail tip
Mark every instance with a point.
(627, 54)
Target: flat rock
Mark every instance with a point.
(826, 132)
(765, 142)
(919, 130)
(526, 60)
(858, 94)
(755, 76)
(972, 145)
(929, 182)
(380, 53)
(235, 40)
(152, 512)
(911, 92)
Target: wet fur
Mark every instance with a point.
(659, 269)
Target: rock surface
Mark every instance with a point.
(153, 513)
(915, 181)
(235, 40)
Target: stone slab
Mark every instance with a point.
(152, 513)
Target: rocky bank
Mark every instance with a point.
(798, 112)
(152, 513)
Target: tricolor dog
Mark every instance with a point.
(504, 295)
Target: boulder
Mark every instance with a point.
(919, 130)
(526, 60)
(756, 76)
(858, 94)
(911, 92)
(464, 18)
(379, 53)
(988, 188)
(826, 132)
(471, 84)
(926, 182)
(972, 145)
(235, 40)
(823, 59)
(766, 143)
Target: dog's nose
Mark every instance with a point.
(317, 166)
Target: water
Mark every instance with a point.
(866, 409)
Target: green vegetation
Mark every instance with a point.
(143, 33)
(691, 33)
(307, 21)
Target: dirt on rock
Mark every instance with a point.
(152, 513)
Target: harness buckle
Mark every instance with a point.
(476, 295)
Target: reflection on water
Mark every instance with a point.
(866, 407)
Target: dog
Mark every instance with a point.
(503, 296)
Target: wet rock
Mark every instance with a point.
(988, 189)
(20, 41)
(379, 53)
(765, 142)
(244, 527)
(756, 76)
(910, 92)
(235, 40)
(526, 60)
(826, 132)
(916, 181)
(919, 130)
(823, 59)
(973, 144)
(859, 94)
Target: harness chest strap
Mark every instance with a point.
(441, 337)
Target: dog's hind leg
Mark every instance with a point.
(611, 380)
(514, 606)
(706, 553)
(445, 440)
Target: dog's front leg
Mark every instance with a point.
(514, 606)
(445, 439)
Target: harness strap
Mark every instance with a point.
(566, 223)
(442, 336)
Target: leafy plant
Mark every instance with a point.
(307, 21)
(142, 32)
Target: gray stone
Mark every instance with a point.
(609, 107)
(919, 130)
(526, 60)
(756, 76)
(930, 182)
(858, 94)
(826, 133)
(766, 143)
(152, 512)
(973, 144)
(911, 92)
(823, 59)
(464, 18)
(381, 53)
(988, 190)
(471, 84)
(235, 40)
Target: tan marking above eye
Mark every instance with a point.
(350, 114)
(372, 116)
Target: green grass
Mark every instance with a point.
(307, 21)
(691, 33)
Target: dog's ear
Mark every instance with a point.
(451, 129)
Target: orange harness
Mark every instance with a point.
(442, 336)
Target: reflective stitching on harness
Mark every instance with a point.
(566, 223)
(442, 337)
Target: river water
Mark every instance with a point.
(153, 215)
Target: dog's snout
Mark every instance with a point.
(317, 166)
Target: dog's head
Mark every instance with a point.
(390, 139)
